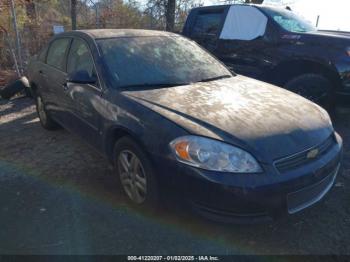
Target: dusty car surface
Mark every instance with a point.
(167, 113)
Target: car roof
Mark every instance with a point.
(114, 33)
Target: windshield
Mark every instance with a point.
(290, 21)
(141, 61)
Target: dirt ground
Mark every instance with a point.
(58, 196)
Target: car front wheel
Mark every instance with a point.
(136, 174)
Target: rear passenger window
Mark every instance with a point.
(56, 54)
(207, 23)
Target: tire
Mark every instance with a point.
(314, 87)
(12, 88)
(125, 151)
(45, 120)
(28, 93)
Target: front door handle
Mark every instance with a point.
(42, 73)
(65, 86)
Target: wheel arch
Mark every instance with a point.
(33, 87)
(289, 69)
(115, 133)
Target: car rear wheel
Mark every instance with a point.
(46, 121)
(314, 87)
(136, 174)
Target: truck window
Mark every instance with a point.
(290, 21)
(207, 24)
(244, 23)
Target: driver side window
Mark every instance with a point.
(79, 58)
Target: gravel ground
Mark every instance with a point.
(58, 196)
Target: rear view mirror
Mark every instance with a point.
(81, 77)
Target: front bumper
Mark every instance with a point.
(251, 207)
(255, 197)
(303, 198)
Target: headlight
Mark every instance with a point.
(213, 155)
(348, 51)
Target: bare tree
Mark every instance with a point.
(15, 26)
(254, 1)
(73, 10)
(157, 12)
(170, 15)
(29, 26)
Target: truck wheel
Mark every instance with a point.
(314, 87)
(136, 174)
(46, 121)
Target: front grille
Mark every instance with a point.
(295, 161)
(308, 196)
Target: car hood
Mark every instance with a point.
(268, 121)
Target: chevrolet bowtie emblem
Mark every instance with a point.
(312, 154)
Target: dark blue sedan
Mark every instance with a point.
(167, 113)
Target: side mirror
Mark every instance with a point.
(81, 77)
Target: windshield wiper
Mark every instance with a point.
(215, 78)
(153, 85)
(160, 85)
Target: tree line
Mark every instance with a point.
(26, 27)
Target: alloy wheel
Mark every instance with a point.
(132, 176)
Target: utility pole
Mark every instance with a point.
(73, 11)
(18, 45)
(170, 15)
(318, 20)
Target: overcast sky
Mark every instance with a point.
(334, 15)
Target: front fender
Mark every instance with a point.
(149, 129)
